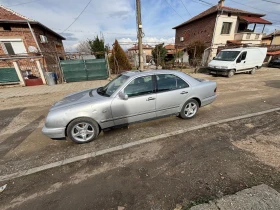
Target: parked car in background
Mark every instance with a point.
(274, 63)
(131, 97)
(238, 60)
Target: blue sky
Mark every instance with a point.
(116, 18)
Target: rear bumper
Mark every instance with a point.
(218, 71)
(209, 100)
(54, 133)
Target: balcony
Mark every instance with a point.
(248, 37)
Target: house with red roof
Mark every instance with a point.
(221, 25)
(26, 41)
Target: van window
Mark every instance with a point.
(227, 55)
(243, 56)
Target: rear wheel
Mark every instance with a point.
(253, 71)
(230, 73)
(189, 109)
(82, 130)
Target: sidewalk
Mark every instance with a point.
(261, 197)
(10, 92)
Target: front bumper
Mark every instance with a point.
(54, 133)
(215, 71)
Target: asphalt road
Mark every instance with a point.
(22, 145)
(186, 169)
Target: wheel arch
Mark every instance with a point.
(65, 131)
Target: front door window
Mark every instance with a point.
(140, 86)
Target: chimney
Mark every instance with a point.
(221, 3)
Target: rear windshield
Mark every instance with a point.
(227, 55)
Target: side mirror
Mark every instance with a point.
(123, 96)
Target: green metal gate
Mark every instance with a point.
(83, 70)
(8, 75)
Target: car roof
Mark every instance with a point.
(142, 73)
(190, 79)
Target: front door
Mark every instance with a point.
(140, 105)
(172, 91)
(241, 62)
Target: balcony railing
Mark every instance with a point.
(243, 36)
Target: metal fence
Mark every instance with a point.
(83, 70)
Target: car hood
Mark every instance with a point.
(77, 98)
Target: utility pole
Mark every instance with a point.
(139, 35)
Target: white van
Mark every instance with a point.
(231, 61)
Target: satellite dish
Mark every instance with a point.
(32, 49)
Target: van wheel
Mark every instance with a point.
(230, 73)
(253, 71)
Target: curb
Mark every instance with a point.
(125, 146)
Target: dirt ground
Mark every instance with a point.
(186, 169)
(23, 146)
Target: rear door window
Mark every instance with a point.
(169, 82)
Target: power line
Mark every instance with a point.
(198, 2)
(207, 2)
(273, 2)
(255, 8)
(174, 9)
(22, 3)
(186, 8)
(77, 17)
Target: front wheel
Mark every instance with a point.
(189, 109)
(82, 130)
(230, 73)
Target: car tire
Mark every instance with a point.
(82, 130)
(230, 73)
(186, 113)
(253, 71)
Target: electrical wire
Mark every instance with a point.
(22, 3)
(174, 9)
(186, 8)
(255, 8)
(273, 2)
(77, 17)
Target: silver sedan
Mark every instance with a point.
(131, 97)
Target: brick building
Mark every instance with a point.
(26, 41)
(218, 26)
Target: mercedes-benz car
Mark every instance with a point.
(131, 97)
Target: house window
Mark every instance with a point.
(248, 36)
(6, 27)
(257, 36)
(226, 28)
(13, 47)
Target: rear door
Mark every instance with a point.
(241, 61)
(172, 91)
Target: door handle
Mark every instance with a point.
(244, 61)
(184, 92)
(150, 99)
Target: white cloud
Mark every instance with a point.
(116, 18)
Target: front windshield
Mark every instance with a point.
(227, 55)
(112, 86)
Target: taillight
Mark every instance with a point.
(215, 90)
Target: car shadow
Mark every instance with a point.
(8, 115)
(273, 83)
(18, 137)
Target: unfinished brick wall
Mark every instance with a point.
(50, 51)
(198, 30)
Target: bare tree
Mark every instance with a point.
(83, 47)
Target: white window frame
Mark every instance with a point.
(2, 41)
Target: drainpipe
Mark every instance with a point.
(34, 37)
